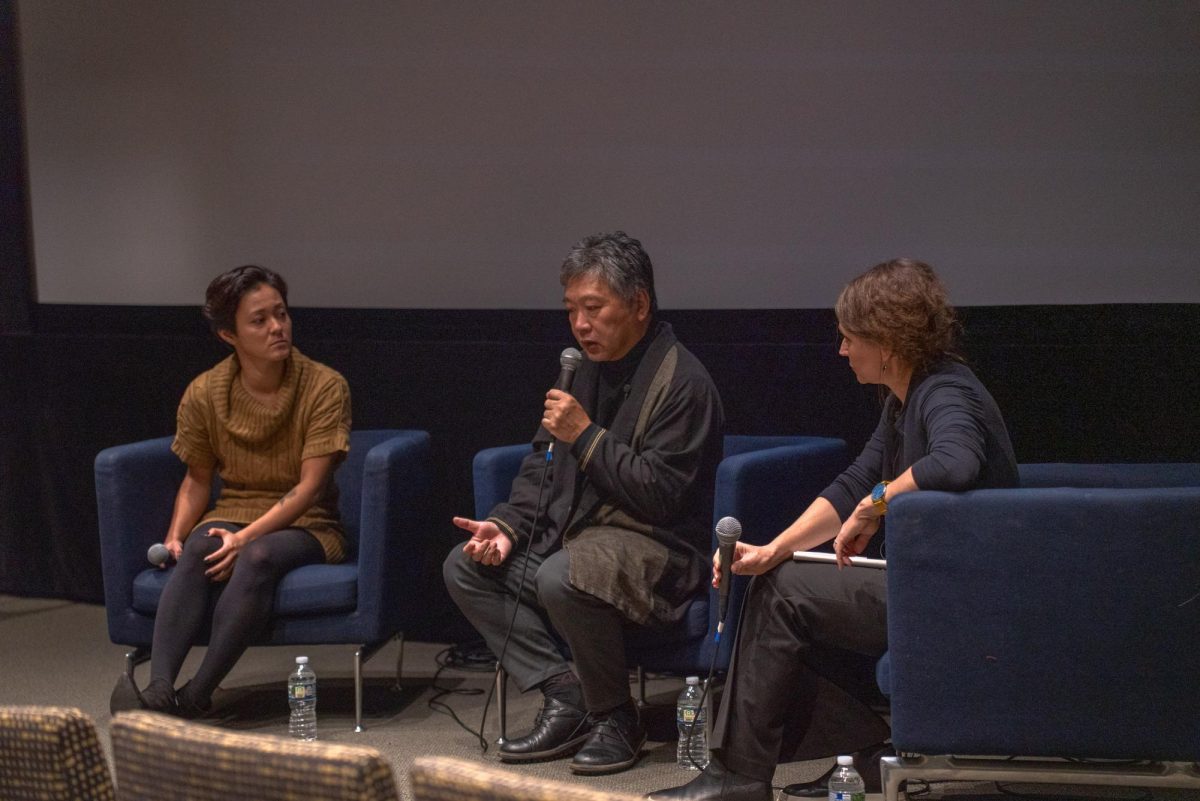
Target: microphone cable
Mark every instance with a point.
(712, 665)
(537, 516)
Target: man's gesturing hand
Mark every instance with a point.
(488, 544)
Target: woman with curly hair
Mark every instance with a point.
(801, 683)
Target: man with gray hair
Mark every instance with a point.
(623, 534)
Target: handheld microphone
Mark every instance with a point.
(158, 554)
(568, 361)
(729, 531)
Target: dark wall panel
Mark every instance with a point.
(1106, 383)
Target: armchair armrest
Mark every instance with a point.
(1050, 622)
(136, 486)
(395, 498)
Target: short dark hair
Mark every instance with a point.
(901, 303)
(226, 290)
(617, 258)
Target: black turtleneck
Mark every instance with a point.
(613, 387)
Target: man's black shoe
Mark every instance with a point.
(717, 782)
(559, 730)
(614, 745)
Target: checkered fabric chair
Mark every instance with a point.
(51, 753)
(161, 757)
(448, 779)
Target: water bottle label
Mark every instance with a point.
(843, 795)
(300, 692)
(687, 714)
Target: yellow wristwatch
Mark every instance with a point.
(879, 497)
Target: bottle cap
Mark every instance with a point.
(692, 680)
(302, 660)
(845, 760)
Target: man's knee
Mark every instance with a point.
(459, 571)
(554, 589)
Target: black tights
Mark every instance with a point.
(241, 607)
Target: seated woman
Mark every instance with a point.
(274, 424)
(801, 681)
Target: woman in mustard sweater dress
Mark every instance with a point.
(273, 424)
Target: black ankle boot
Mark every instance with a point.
(559, 730)
(189, 705)
(717, 783)
(614, 744)
(159, 696)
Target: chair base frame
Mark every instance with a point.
(895, 770)
(362, 655)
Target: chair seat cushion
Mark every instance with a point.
(693, 626)
(308, 590)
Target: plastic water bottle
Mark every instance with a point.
(692, 752)
(302, 698)
(845, 784)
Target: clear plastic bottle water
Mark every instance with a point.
(692, 752)
(845, 784)
(302, 698)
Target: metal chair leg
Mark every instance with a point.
(134, 658)
(399, 661)
(361, 656)
(502, 703)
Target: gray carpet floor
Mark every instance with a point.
(58, 653)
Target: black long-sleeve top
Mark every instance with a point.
(949, 431)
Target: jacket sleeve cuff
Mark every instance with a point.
(584, 448)
(505, 528)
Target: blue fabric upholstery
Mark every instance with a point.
(384, 485)
(1059, 619)
(765, 482)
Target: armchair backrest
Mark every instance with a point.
(51, 753)
(439, 778)
(154, 752)
(349, 478)
(1113, 476)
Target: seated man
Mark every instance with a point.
(622, 533)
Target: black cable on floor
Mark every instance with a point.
(459, 658)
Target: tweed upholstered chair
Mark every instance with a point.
(448, 779)
(161, 757)
(51, 753)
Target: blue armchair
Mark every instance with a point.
(384, 486)
(1058, 622)
(763, 481)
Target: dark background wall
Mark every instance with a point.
(1101, 382)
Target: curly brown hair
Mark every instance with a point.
(901, 304)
